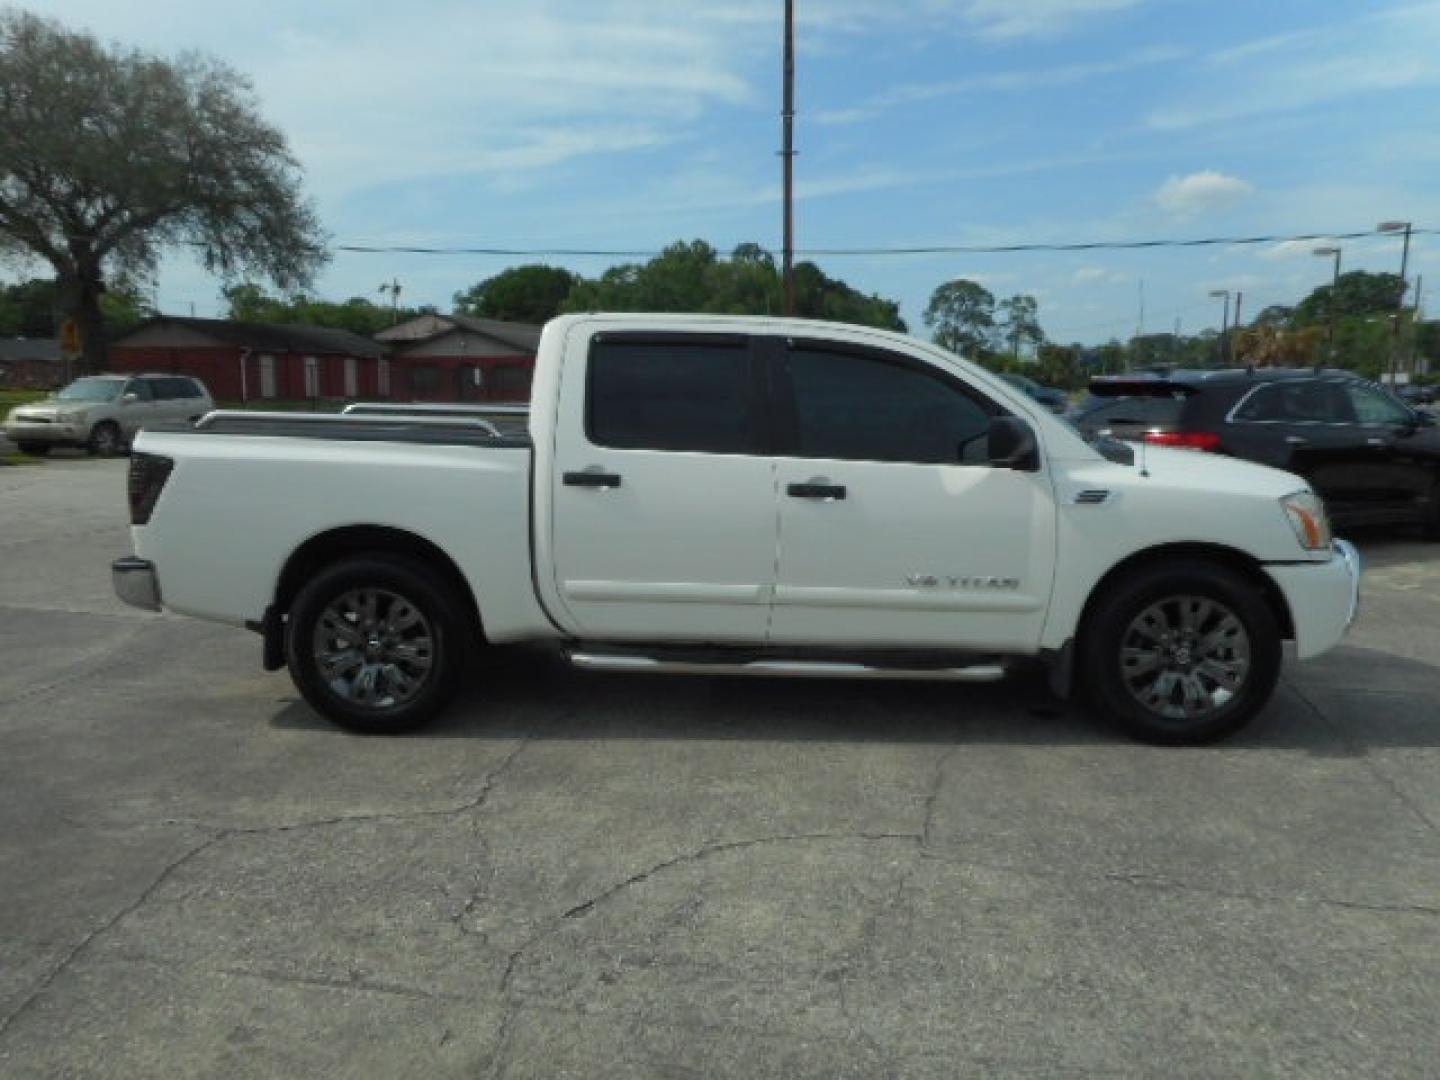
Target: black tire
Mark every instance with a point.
(105, 440)
(396, 706)
(1156, 604)
(34, 449)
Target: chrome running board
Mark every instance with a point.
(803, 669)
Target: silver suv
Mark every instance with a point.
(102, 413)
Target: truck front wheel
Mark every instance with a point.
(374, 643)
(1178, 653)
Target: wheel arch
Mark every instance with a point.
(351, 541)
(1247, 566)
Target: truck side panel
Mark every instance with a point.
(257, 499)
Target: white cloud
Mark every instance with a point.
(1395, 49)
(1187, 196)
(1100, 275)
(1036, 18)
(994, 82)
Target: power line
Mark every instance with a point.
(942, 249)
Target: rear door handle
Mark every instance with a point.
(816, 489)
(1375, 442)
(592, 479)
(1296, 440)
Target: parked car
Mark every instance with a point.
(740, 496)
(102, 413)
(1417, 394)
(1054, 399)
(1373, 459)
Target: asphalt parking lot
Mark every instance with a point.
(586, 875)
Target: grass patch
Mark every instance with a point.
(20, 459)
(13, 396)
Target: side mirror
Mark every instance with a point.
(129, 398)
(1013, 444)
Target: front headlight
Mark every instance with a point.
(1307, 517)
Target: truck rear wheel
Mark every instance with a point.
(374, 643)
(1180, 653)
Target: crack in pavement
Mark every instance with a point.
(498, 1063)
(1354, 747)
(487, 785)
(934, 793)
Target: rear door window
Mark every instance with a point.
(1304, 401)
(686, 393)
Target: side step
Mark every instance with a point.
(804, 669)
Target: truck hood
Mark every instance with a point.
(1215, 472)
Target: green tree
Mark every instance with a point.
(962, 315)
(249, 302)
(1276, 315)
(1020, 323)
(691, 276)
(1359, 293)
(110, 156)
(527, 294)
(31, 308)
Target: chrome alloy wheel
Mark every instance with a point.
(373, 648)
(1185, 657)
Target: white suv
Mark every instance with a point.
(102, 413)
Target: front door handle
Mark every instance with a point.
(1296, 440)
(1375, 442)
(816, 489)
(592, 479)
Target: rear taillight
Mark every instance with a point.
(1184, 440)
(148, 473)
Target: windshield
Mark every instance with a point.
(91, 390)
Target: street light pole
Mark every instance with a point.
(1392, 227)
(1334, 292)
(1224, 323)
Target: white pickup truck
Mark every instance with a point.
(739, 495)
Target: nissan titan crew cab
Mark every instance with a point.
(739, 495)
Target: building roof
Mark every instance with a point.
(271, 337)
(523, 337)
(22, 348)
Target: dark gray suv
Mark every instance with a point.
(1373, 458)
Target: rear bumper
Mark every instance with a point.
(1324, 598)
(136, 583)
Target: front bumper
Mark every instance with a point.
(51, 434)
(1324, 598)
(136, 583)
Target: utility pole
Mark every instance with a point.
(788, 153)
(1334, 292)
(393, 288)
(1215, 294)
(1412, 360)
(1391, 227)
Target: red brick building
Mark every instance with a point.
(257, 361)
(459, 358)
(32, 363)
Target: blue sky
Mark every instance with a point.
(630, 123)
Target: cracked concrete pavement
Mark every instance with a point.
(579, 875)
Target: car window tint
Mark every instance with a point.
(867, 408)
(1305, 401)
(140, 388)
(1151, 411)
(681, 395)
(161, 389)
(1374, 406)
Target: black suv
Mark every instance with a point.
(1374, 459)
